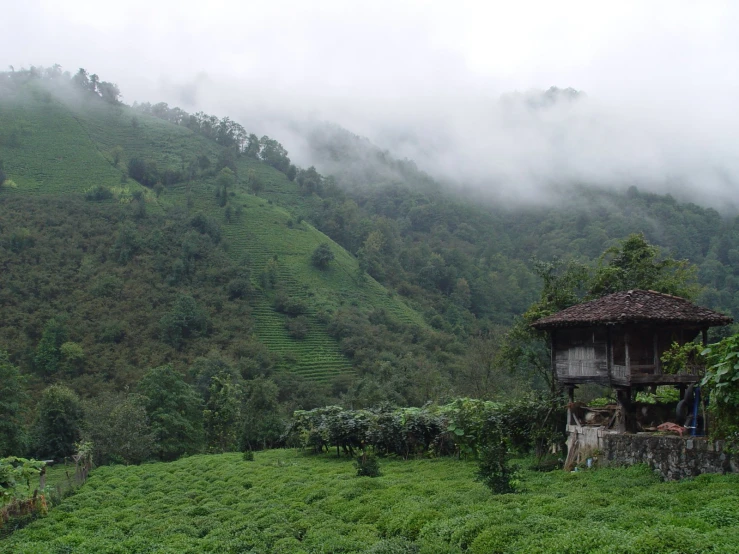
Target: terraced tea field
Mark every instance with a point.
(287, 502)
(46, 150)
(262, 232)
(152, 139)
(66, 147)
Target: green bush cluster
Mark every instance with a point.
(461, 427)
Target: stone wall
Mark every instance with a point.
(672, 456)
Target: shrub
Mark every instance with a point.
(322, 256)
(297, 327)
(495, 470)
(289, 304)
(185, 320)
(207, 226)
(248, 455)
(98, 193)
(48, 351)
(367, 465)
(238, 288)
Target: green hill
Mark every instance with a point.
(419, 274)
(54, 146)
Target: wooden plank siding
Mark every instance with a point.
(617, 355)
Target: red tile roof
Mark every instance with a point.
(633, 306)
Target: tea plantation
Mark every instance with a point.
(286, 501)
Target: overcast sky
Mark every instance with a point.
(661, 78)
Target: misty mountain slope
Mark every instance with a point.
(138, 135)
(258, 235)
(490, 244)
(45, 148)
(354, 160)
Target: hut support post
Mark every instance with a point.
(623, 397)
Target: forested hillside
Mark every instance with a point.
(132, 237)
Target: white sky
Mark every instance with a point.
(671, 68)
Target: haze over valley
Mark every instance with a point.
(461, 91)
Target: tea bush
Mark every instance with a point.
(286, 501)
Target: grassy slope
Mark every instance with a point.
(287, 502)
(53, 153)
(67, 148)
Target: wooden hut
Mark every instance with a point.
(618, 340)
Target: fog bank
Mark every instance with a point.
(459, 88)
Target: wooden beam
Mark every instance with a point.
(664, 379)
(609, 352)
(553, 353)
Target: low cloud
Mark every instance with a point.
(436, 83)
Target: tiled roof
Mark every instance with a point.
(633, 306)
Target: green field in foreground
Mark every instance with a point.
(285, 501)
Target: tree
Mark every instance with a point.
(297, 327)
(118, 428)
(253, 147)
(72, 357)
(185, 320)
(48, 354)
(3, 175)
(116, 153)
(636, 264)
(93, 83)
(322, 256)
(222, 413)
(81, 79)
(255, 183)
(632, 264)
(12, 399)
(175, 412)
(309, 180)
(225, 180)
(137, 170)
(58, 425)
(263, 423)
(109, 92)
(274, 154)
(482, 373)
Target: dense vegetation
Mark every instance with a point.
(136, 237)
(285, 502)
(171, 284)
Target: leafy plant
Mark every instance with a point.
(322, 256)
(682, 359)
(495, 469)
(15, 477)
(722, 383)
(367, 465)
